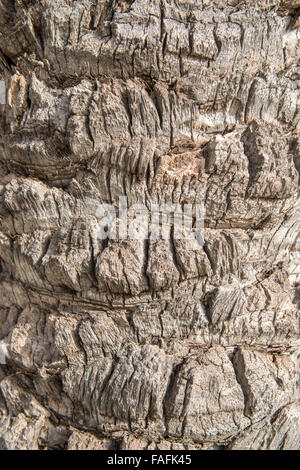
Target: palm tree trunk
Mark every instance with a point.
(135, 342)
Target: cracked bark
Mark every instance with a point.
(131, 345)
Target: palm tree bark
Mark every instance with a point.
(135, 344)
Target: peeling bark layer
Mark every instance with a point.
(146, 344)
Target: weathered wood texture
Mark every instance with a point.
(136, 344)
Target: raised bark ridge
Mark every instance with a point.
(145, 344)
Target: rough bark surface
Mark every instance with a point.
(131, 344)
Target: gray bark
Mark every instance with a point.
(147, 344)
